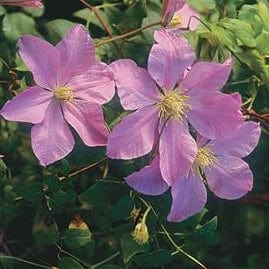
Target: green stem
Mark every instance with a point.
(72, 256)
(128, 34)
(105, 260)
(25, 261)
(178, 248)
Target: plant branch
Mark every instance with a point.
(178, 248)
(102, 21)
(128, 34)
(24, 261)
(83, 169)
(105, 260)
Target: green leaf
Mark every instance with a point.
(45, 231)
(68, 263)
(110, 266)
(207, 231)
(122, 209)
(241, 29)
(97, 195)
(130, 248)
(202, 5)
(154, 259)
(75, 238)
(31, 192)
(262, 43)
(56, 29)
(2, 11)
(17, 24)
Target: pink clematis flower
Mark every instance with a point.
(22, 3)
(71, 87)
(218, 163)
(165, 98)
(177, 15)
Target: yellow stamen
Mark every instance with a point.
(176, 21)
(173, 104)
(140, 233)
(63, 94)
(205, 157)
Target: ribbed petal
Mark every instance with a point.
(88, 120)
(189, 198)
(52, 139)
(148, 180)
(206, 77)
(229, 178)
(136, 88)
(76, 52)
(96, 85)
(28, 106)
(241, 144)
(215, 115)
(177, 151)
(42, 59)
(135, 135)
(169, 58)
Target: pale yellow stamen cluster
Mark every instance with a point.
(63, 94)
(173, 104)
(176, 21)
(140, 233)
(205, 157)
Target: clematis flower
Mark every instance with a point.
(22, 3)
(177, 15)
(71, 87)
(166, 98)
(218, 163)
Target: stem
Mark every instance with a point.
(105, 260)
(72, 256)
(83, 169)
(102, 21)
(133, 32)
(178, 248)
(25, 261)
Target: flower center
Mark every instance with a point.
(140, 233)
(205, 157)
(63, 94)
(176, 21)
(173, 104)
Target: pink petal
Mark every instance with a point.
(241, 144)
(177, 151)
(205, 77)
(28, 106)
(135, 135)
(76, 52)
(237, 97)
(42, 59)
(188, 14)
(148, 180)
(52, 139)
(169, 58)
(215, 115)
(135, 86)
(189, 198)
(170, 7)
(96, 85)
(230, 178)
(88, 120)
(23, 3)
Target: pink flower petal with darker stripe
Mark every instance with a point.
(28, 106)
(52, 139)
(88, 120)
(148, 180)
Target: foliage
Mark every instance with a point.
(78, 212)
